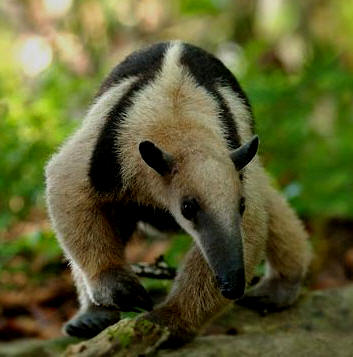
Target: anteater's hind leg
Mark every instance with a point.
(288, 256)
(93, 234)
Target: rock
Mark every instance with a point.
(36, 348)
(320, 324)
(126, 338)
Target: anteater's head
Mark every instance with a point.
(205, 196)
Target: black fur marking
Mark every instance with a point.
(242, 205)
(105, 167)
(158, 218)
(231, 132)
(141, 63)
(209, 71)
(123, 218)
(104, 171)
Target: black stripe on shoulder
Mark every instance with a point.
(209, 71)
(141, 62)
(105, 169)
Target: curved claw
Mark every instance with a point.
(91, 322)
(261, 304)
(271, 295)
(179, 334)
(121, 289)
(132, 297)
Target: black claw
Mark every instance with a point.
(126, 293)
(81, 330)
(261, 304)
(133, 299)
(143, 300)
(91, 323)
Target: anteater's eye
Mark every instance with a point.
(189, 208)
(242, 206)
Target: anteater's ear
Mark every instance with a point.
(156, 158)
(245, 153)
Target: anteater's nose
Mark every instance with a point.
(232, 284)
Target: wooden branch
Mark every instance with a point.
(157, 270)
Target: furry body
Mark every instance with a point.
(181, 99)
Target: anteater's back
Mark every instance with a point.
(176, 88)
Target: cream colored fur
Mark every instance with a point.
(181, 118)
(71, 202)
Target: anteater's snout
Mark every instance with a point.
(232, 284)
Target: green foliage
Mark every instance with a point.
(303, 115)
(191, 7)
(179, 246)
(305, 125)
(42, 242)
(36, 116)
(37, 254)
(35, 119)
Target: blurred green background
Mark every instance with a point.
(294, 59)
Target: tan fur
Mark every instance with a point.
(183, 119)
(173, 109)
(193, 300)
(287, 247)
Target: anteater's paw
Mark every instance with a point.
(261, 304)
(91, 322)
(270, 295)
(179, 333)
(121, 289)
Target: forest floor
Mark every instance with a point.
(37, 293)
(320, 324)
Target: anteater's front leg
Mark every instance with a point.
(105, 283)
(93, 240)
(193, 300)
